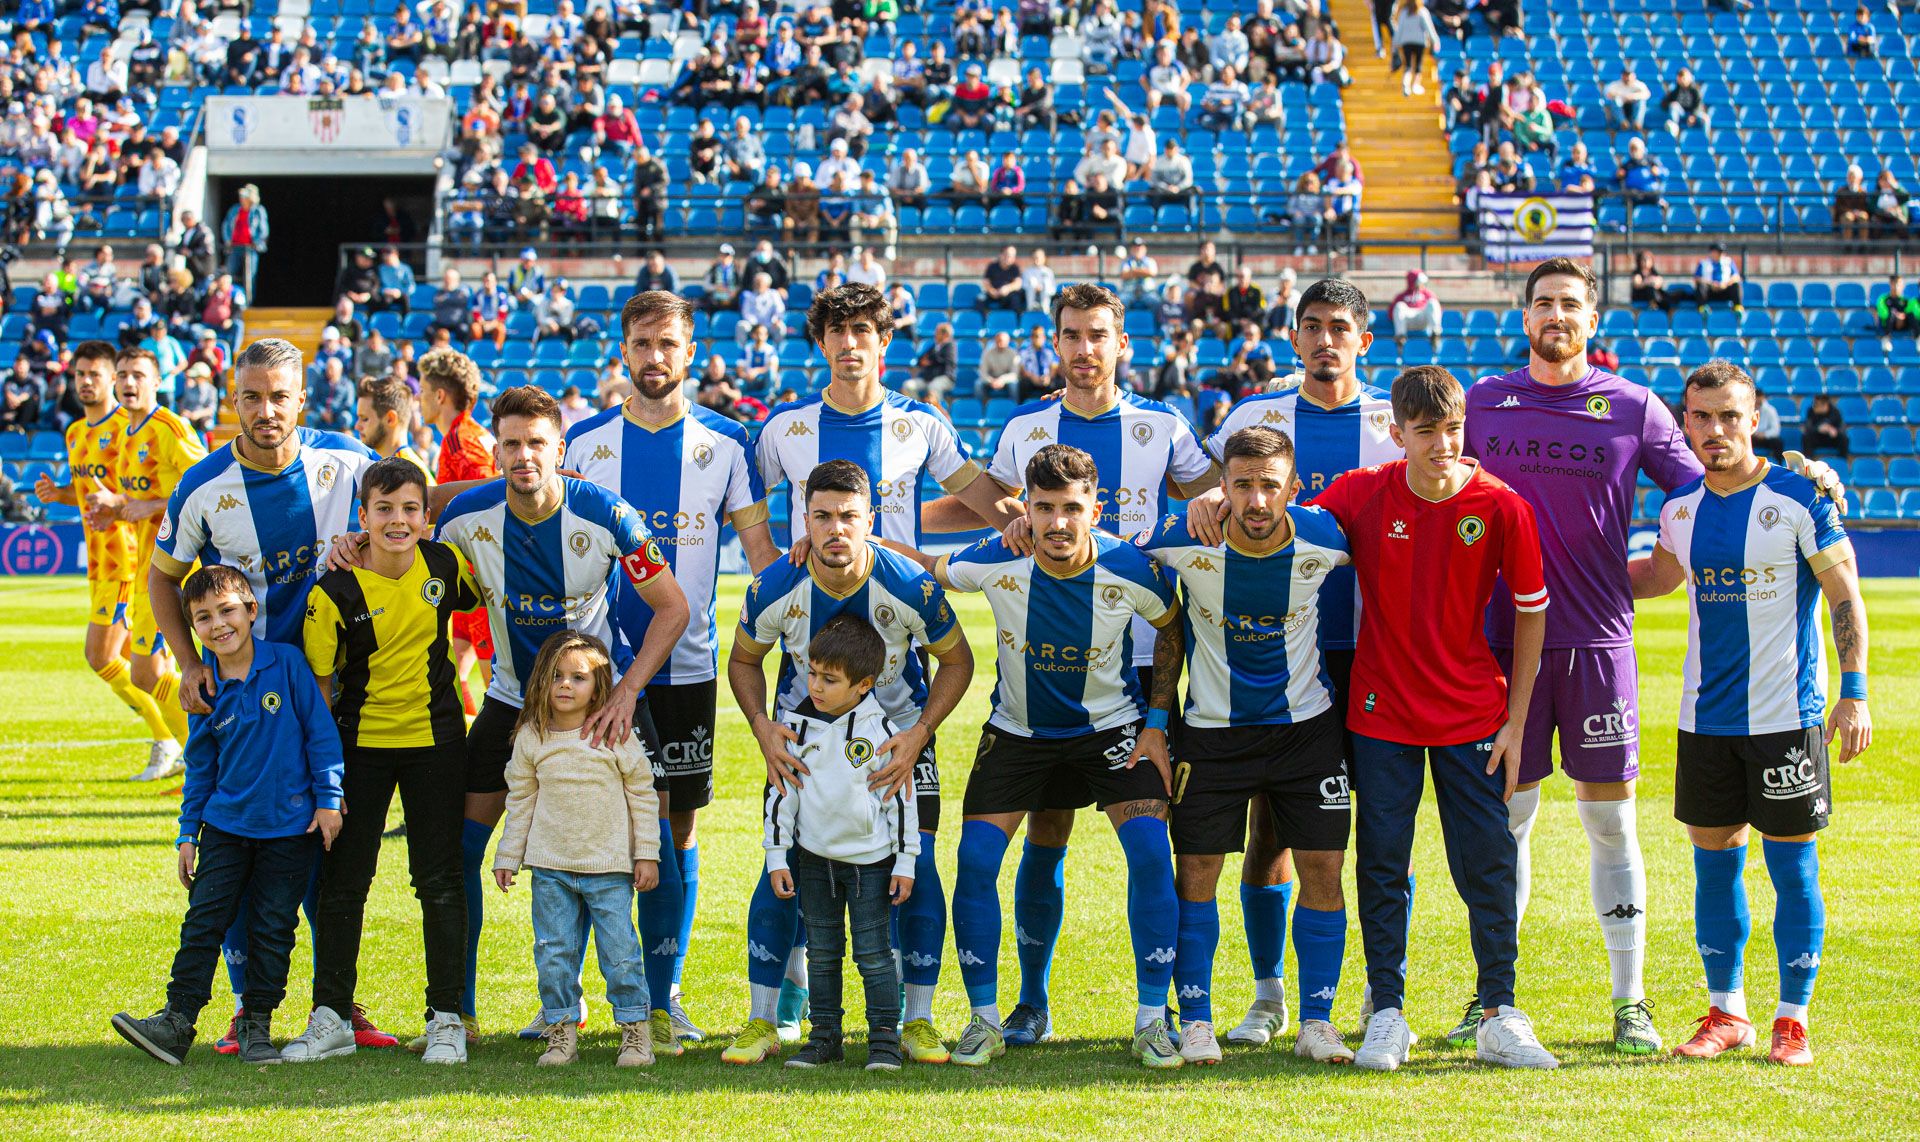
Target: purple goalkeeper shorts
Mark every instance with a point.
(1591, 699)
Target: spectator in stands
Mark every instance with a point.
(763, 306)
(1853, 207)
(1205, 263)
(802, 207)
(1824, 430)
(1036, 102)
(649, 193)
(1766, 434)
(1266, 105)
(1343, 192)
(836, 210)
(490, 306)
(838, 163)
(330, 398)
(1037, 283)
(746, 156)
(1642, 178)
(1648, 287)
(196, 245)
(1577, 174)
(1104, 206)
(1138, 271)
(244, 233)
(1166, 80)
(849, 127)
(1460, 103)
(1512, 174)
(1106, 161)
(526, 281)
(1895, 312)
(1686, 105)
(393, 284)
(1862, 41)
(221, 307)
(1244, 301)
(1533, 128)
(347, 323)
(373, 357)
(1326, 56)
(556, 314)
(903, 311)
(1504, 18)
(1000, 284)
(935, 369)
(1000, 368)
(1626, 100)
(199, 400)
(1890, 212)
(759, 360)
(1416, 309)
(1601, 357)
(1413, 36)
(1717, 278)
(907, 179)
(1171, 177)
(723, 280)
(1008, 183)
(971, 100)
(1192, 52)
(1039, 366)
(1224, 105)
(358, 280)
(1228, 48)
(970, 179)
(1280, 313)
(717, 388)
(50, 309)
(21, 397)
(615, 129)
(1174, 375)
(937, 76)
(467, 211)
(546, 124)
(101, 15)
(655, 273)
(1070, 214)
(99, 282)
(874, 218)
(453, 304)
(1250, 363)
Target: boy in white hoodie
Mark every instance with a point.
(847, 851)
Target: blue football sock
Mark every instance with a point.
(770, 933)
(1319, 945)
(920, 925)
(976, 910)
(1263, 913)
(1193, 959)
(661, 912)
(1407, 943)
(1152, 911)
(233, 949)
(1039, 907)
(1720, 920)
(689, 861)
(1799, 916)
(473, 854)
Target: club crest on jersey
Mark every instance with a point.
(1311, 566)
(433, 590)
(702, 456)
(270, 702)
(1471, 529)
(859, 752)
(600, 452)
(1598, 406)
(1378, 419)
(1142, 434)
(1110, 595)
(579, 542)
(883, 615)
(1769, 516)
(902, 429)
(329, 472)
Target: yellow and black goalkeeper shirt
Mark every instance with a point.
(385, 641)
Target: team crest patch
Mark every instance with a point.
(1110, 595)
(1598, 407)
(883, 615)
(327, 475)
(270, 702)
(702, 456)
(1378, 420)
(1470, 529)
(902, 429)
(579, 542)
(433, 590)
(1309, 567)
(1142, 434)
(1769, 516)
(859, 751)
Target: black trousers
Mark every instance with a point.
(835, 898)
(268, 878)
(433, 786)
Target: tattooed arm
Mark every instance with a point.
(1849, 721)
(1169, 650)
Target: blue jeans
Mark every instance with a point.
(265, 879)
(835, 897)
(1388, 780)
(560, 940)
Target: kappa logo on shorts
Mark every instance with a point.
(986, 744)
(1795, 779)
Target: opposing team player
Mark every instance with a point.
(1258, 730)
(1145, 453)
(1757, 546)
(544, 549)
(449, 388)
(93, 442)
(689, 472)
(1069, 702)
(896, 442)
(846, 573)
(151, 461)
(1428, 535)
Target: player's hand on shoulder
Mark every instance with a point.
(198, 686)
(348, 551)
(1206, 516)
(784, 770)
(1018, 536)
(797, 554)
(1823, 475)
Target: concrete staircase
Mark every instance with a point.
(1399, 141)
(300, 326)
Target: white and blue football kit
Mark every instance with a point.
(273, 526)
(894, 441)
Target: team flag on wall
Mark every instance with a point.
(1534, 227)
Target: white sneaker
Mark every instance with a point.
(684, 1028)
(327, 1035)
(1197, 1044)
(1508, 1040)
(1266, 1021)
(163, 761)
(1387, 1041)
(1320, 1041)
(1366, 1016)
(446, 1039)
(1419, 88)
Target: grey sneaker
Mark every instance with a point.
(255, 1037)
(166, 1034)
(980, 1043)
(683, 1026)
(327, 1035)
(446, 1039)
(1508, 1040)
(1266, 1021)
(1387, 1043)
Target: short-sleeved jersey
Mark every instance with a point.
(1423, 673)
(1064, 643)
(386, 644)
(894, 440)
(1136, 445)
(1252, 621)
(786, 604)
(406, 452)
(1573, 451)
(273, 526)
(688, 479)
(1755, 662)
(92, 446)
(151, 462)
(1328, 442)
(540, 576)
(466, 451)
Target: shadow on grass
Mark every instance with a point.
(146, 840)
(158, 812)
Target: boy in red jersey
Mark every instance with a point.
(1429, 534)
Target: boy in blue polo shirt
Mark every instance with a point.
(263, 778)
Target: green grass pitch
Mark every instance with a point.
(89, 911)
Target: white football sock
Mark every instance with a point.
(1618, 880)
(1520, 813)
(1147, 1013)
(797, 967)
(1731, 1002)
(919, 1003)
(763, 1002)
(990, 1013)
(1793, 1011)
(1272, 989)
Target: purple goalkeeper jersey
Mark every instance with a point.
(1572, 451)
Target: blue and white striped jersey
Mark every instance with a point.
(273, 526)
(785, 605)
(1755, 663)
(687, 479)
(1328, 442)
(1253, 621)
(894, 440)
(546, 575)
(1136, 445)
(1064, 643)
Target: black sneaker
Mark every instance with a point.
(883, 1050)
(166, 1034)
(817, 1052)
(256, 1040)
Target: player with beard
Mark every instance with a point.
(382, 418)
(689, 472)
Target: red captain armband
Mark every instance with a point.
(645, 563)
